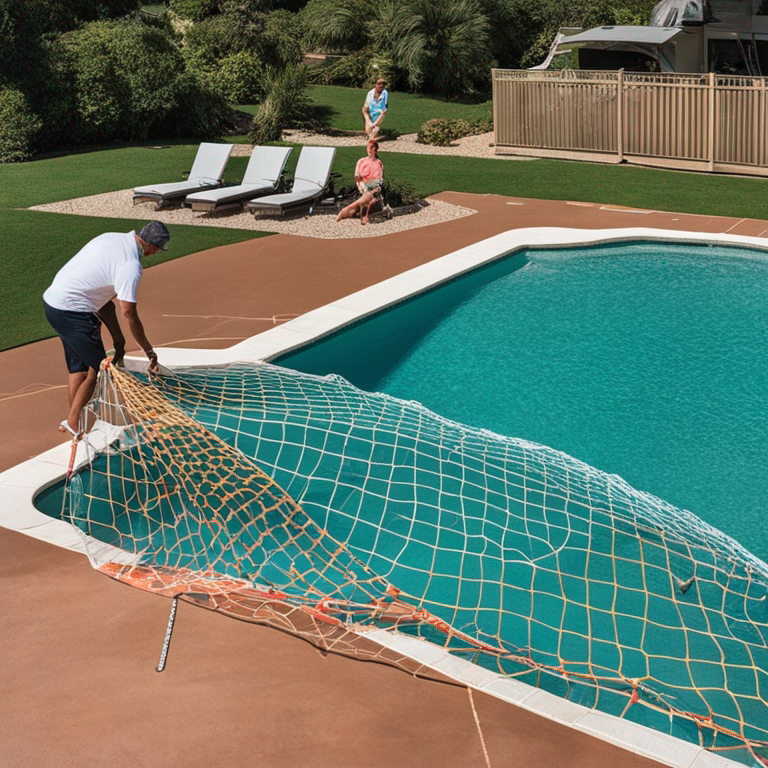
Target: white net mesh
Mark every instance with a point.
(305, 503)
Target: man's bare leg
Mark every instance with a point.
(82, 394)
(74, 382)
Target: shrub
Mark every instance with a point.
(460, 127)
(126, 75)
(381, 65)
(399, 193)
(122, 80)
(18, 126)
(484, 125)
(285, 105)
(205, 45)
(239, 79)
(281, 44)
(236, 38)
(56, 97)
(441, 131)
(350, 71)
(195, 10)
(197, 112)
(437, 131)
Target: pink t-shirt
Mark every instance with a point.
(369, 168)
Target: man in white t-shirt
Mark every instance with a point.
(80, 298)
(375, 107)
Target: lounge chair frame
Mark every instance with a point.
(313, 173)
(206, 172)
(264, 175)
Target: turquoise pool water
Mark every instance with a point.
(649, 361)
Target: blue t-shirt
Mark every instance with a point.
(376, 106)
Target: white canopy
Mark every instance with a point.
(612, 35)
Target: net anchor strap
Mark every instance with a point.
(168, 633)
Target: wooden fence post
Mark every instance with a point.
(712, 95)
(620, 113)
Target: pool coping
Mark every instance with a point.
(20, 484)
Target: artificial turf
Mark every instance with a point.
(340, 108)
(35, 244)
(623, 185)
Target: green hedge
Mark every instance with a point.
(194, 10)
(19, 126)
(239, 78)
(118, 81)
(441, 132)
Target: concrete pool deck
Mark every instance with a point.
(79, 684)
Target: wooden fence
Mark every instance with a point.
(697, 122)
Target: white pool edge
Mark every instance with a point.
(20, 484)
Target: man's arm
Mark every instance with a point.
(131, 314)
(108, 315)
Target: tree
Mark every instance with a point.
(23, 23)
(515, 25)
(553, 14)
(442, 46)
(438, 46)
(340, 25)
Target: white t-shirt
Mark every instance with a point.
(106, 267)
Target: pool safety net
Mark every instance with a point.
(307, 504)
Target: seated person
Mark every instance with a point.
(369, 176)
(374, 108)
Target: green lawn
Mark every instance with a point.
(626, 185)
(36, 244)
(407, 111)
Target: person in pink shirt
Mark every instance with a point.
(369, 176)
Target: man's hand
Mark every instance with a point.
(152, 357)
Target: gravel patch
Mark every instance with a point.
(480, 145)
(321, 224)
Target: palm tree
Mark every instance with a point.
(338, 25)
(442, 45)
(438, 46)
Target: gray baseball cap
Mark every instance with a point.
(156, 233)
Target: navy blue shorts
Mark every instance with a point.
(81, 336)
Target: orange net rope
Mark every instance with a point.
(504, 553)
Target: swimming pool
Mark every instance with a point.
(645, 360)
(508, 554)
(544, 536)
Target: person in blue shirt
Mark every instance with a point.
(375, 108)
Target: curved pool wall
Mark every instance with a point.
(20, 485)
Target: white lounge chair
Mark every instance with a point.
(310, 183)
(261, 177)
(206, 172)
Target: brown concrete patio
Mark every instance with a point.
(78, 680)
